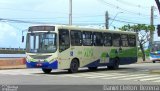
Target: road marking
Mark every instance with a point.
(150, 79)
(93, 75)
(122, 77)
(138, 77)
(89, 75)
(156, 81)
(118, 76)
(107, 75)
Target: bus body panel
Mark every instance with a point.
(155, 56)
(64, 59)
(48, 61)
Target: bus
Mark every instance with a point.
(72, 47)
(155, 52)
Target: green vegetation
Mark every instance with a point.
(12, 51)
(146, 53)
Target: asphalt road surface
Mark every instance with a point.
(137, 74)
(84, 80)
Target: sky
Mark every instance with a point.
(85, 13)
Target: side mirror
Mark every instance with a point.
(158, 30)
(22, 39)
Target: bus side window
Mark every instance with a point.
(76, 38)
(97, 39)
(124, 40)
(64, 42)
(132, 40)
(87, 38)
(107, 39)
(116, 40)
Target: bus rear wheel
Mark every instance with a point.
(154, 61)
(74, 66)
(115, 64)
(46, 71)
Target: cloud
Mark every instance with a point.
(8, 36)
(40, 9)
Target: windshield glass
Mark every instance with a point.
(156, 46)
(41, 43)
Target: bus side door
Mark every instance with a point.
(64, 49)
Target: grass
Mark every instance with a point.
(147, 52)
(12, 51)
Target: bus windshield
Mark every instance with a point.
(156, 46)
(41, 43)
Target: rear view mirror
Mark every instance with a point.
(22, 39)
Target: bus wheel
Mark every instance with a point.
(92, 68)
(115, 65)
(74, 66)
(46, 71)
(154, 61)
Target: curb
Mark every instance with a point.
(143, 62)
(146, 61)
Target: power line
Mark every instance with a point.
(27, 10)
(103, 1)
(89, 16)
(133, 5)
(93, 23)
(86, 16)
(122, 21)
(21, 21)
(117, 7)
(129, 22)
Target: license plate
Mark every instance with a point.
(40, 60)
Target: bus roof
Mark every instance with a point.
(92, 29)
(73, 27)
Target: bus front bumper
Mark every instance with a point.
(47, 65)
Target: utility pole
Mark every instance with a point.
(151, 23)
(107, 20)
(70, 12)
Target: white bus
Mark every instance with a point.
(72, 47)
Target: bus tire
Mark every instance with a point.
(92, 68)
(115, 65)
(74, 66)
(154, 61)
(46, 71)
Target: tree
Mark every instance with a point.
(143, 32)
(158, 4)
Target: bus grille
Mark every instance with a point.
(40, 57)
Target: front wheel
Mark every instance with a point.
(74, 66)
(46, 71)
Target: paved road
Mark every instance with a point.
(137, 74)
